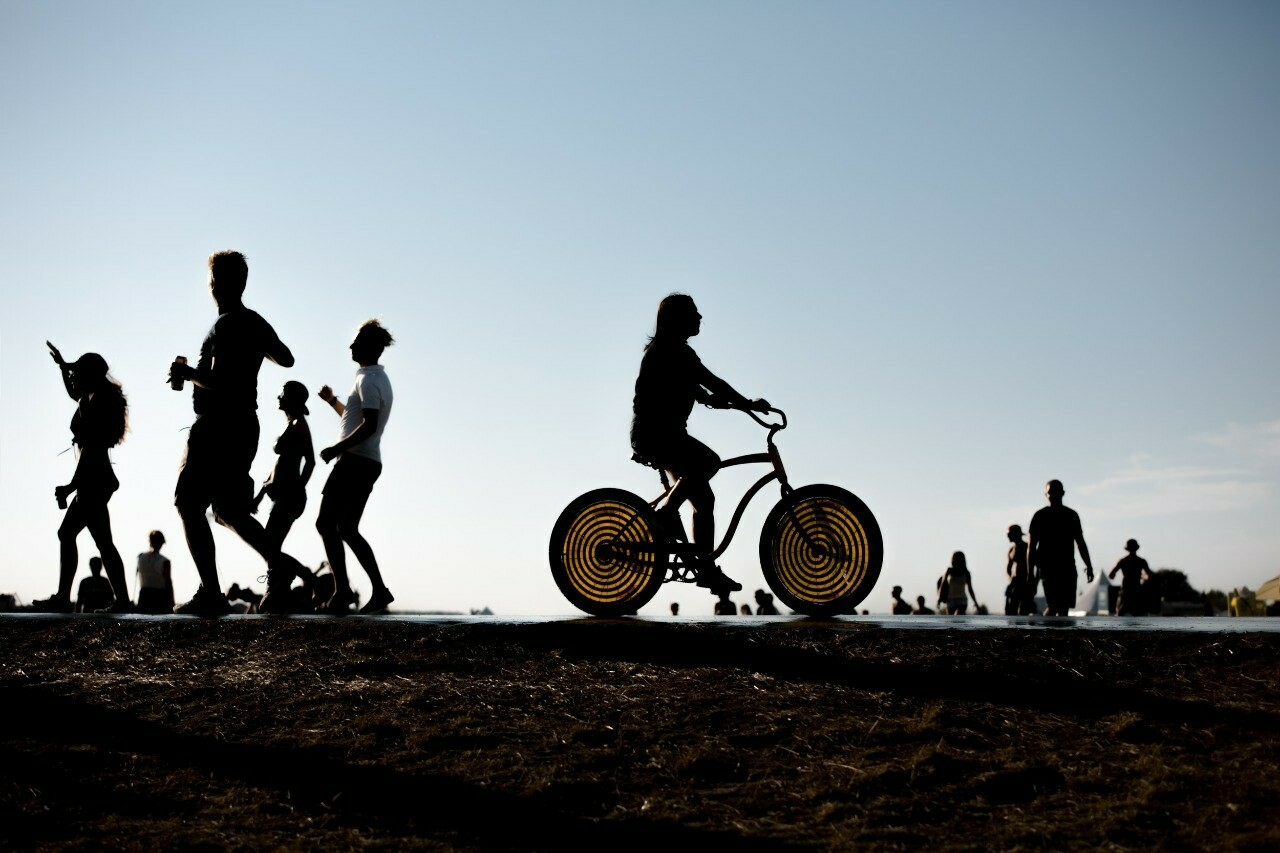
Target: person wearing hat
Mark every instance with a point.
(287, 488)
(100, 421)
(1131, 568)
(1020, 594)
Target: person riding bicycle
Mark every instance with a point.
(672, 378)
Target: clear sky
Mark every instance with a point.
(967, 247)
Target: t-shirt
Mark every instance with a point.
(1131, 567)
(93, 594)
(957, 580)
(1055, 530)
(371, 391)
(231, 354)
(152, 569)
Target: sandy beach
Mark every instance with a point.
(328, 733)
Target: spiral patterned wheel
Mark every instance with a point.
(598, 553)
(821, 550)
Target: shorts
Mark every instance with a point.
(348, 488)
(215, 467)
(1059, 587)
(680, 453)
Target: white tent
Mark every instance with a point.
(1270, 591)
(1095, 598)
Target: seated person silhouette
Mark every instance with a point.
(764, 604)
(94, 592)
(900, 607)
(921, 608)
(672, 378)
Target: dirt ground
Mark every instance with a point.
(331, 733)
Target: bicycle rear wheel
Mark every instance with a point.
(603, 553)
(821, 550)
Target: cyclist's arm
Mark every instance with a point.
(716, 389)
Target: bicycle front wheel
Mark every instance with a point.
(821, 550)
(604, 553)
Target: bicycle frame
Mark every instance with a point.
(779, 473)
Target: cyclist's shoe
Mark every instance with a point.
(378, 602)
(340, 604)
(204, 604)
(717, 581)
(120, 605)
(274, 601)
(53, 604)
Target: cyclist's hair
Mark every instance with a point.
(374, 333)
(230, 269)
(671, 311)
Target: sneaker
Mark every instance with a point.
(717, 581)
(120, 605)
(53, 604)
(204, 604)
(340, 604)
(378, 602)
(274, 601)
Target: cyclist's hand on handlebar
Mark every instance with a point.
(759, 405)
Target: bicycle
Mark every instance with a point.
(820, 546)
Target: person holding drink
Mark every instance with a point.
(100, 421)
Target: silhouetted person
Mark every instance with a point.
(921, 609)
(672, 378)
(100, 421)
(725, 607)
(155, 578)
(224, 437)
(675, 608)
(1020, 595)
(900, 607)
(764, 604)
(242, 599)
(1051, 554)
(1131, 568)
(744, 609)
(957, 585)
(364, 417)
(287, 487)
(94, 593)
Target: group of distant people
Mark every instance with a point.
(215, 470)
(1049, 559)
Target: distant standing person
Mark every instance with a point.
(1131, 568)
(155, 578)
(899, 607)
(94, 592)
(287, 487)
(100, 421)
(1051, 554)
(1020, 597)
(957, 585)
(224, 437)
(359, 463)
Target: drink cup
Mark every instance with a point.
(177, 383)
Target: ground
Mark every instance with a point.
(331, 733)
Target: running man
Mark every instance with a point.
(224, 438)
(359, 463)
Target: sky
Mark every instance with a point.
(966, 247)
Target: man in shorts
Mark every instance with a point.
(359, 463)
(224, 438)
(1054, 535)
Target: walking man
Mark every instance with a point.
(1051, 552)
(224, 438)
(1131, 568)
(359, 462)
